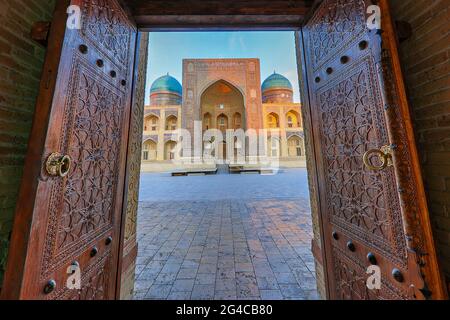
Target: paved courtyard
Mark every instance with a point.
(225, 237)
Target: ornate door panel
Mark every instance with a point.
(372, 213)
(75, 219)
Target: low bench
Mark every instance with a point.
(238, 169)
(189, 172)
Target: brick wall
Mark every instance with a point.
(21, 62)
(426, 62)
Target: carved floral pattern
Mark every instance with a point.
(135, 145)
(87, 122)
(350, 276)
(94, 146)
(106, 25)
(355, 108)
(336, 23)
(82, 207)
(360, 201)
(94, 283)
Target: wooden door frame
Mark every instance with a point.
(263, 22)
(269, 21)
(127, 197)
(238, 22)
(311, 155)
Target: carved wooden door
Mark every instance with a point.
(70, 207)
(372, 202)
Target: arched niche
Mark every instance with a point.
(222, 101)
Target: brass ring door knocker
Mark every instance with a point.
(58, 165)
(384, 155)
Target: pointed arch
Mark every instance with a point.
(170, 150)
(222, 122)
(273, 120)
(207, 121)
(149, 150)
(237, 120)
(222, 101)
(293, 119)
(273, 147)
(295, 146)
(171, 123)
(223, 81)
(151, 122)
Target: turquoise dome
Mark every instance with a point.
(276, 81)
(166, 83)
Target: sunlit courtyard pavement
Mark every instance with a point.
(225, 237)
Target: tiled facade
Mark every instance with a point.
(222, 94)
(285, 120)
(160, 122)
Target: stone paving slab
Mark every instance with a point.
(226, 269)
(288, 183)
(242, 247)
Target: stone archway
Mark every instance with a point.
(237, 120)
(171, 123)
(222, 107)
(243, 75)
(207, 121)
(273, 147)
(273, 120)
(224, 103)
(151, 123)
(170, 150)
(149, 150)
(295, 147)
(293, 119)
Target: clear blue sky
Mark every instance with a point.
(275, 49)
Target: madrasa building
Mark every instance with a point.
(222, 94)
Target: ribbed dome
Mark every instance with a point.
(166, 83)
(276, 81)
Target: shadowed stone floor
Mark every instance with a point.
(246, 245)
